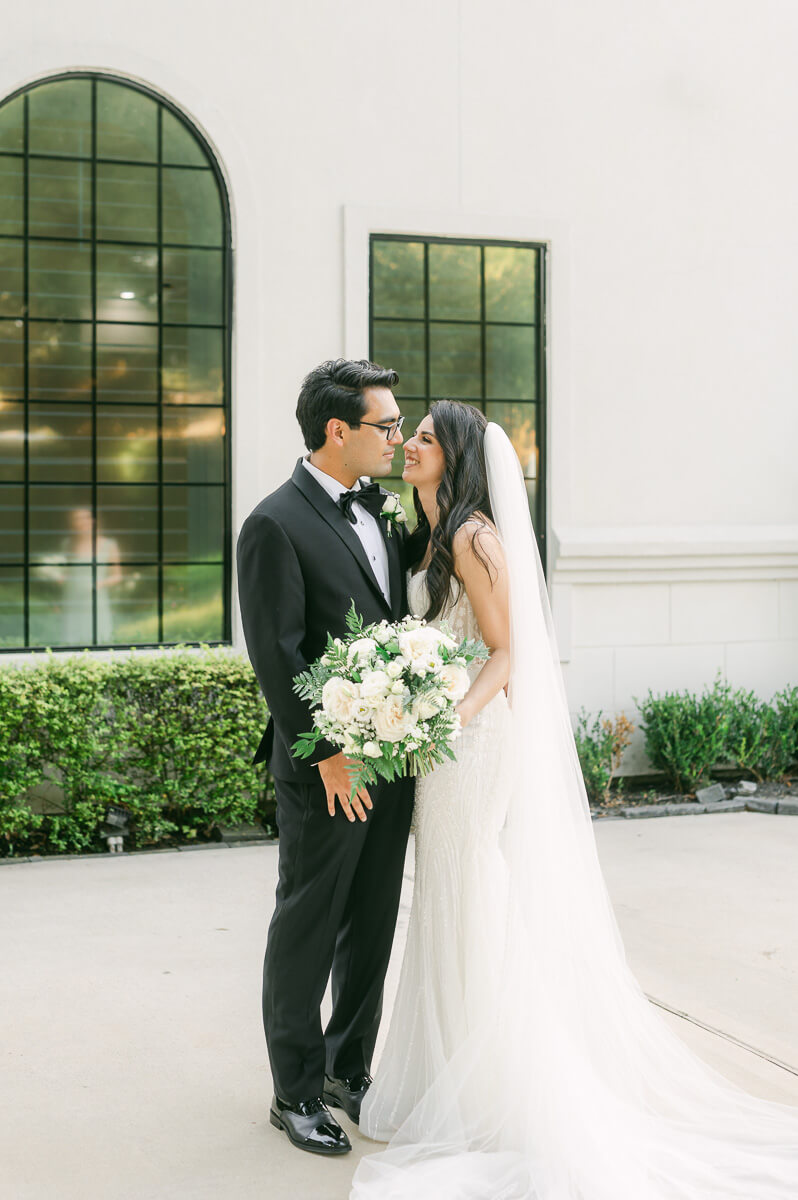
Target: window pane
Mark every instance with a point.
(193, 287)
(179, 144)
(454, 282)
(127, 363)
(61, 606)
(12, 524)
(127, 444)
(510, 362)
(400, 345)
(59, 361)
(127, 123)
(60, 280)
(193, 445)
(129, 517)
(60, 442)
(12, 441)
(12, 350)
(12, 598)
(12, 180)
(192, 603)
(60, 117)
(398, 279)
(129, 616)
(59, 198)
(127, 202)
(519, 422)
(455, 353)
(12, 132)
(127, 283)
(12, 284)
(510, 283)
(192, 209)
(60, 527)
(193, 523)
(193, 366)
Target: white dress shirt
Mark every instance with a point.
(366, 527)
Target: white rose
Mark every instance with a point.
(382, 633)
(395, 668)
(391, 720)
(412, 622)
(340, 699)
(371, 750)
(420, 644)
(401, 515)
(425, 707)
(397, 688)
(454, 681)
(361, 650)
(391, 503)
(374, 685)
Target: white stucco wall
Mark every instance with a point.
(650, 144)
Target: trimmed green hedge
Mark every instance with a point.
(170, 736)
(687, 735)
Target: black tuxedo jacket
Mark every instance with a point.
(300, 566)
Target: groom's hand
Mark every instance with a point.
(337, 784)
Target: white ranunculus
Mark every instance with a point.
(392, 721)
(374, 684)
(340, 699)
(361, 650)
(454, 680)
(371, 750)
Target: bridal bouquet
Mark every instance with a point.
(386, 694)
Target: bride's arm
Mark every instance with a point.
(488, 592)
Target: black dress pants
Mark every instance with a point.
(337, 902)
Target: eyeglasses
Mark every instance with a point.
(390, 431)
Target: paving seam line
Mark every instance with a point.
(729, 1037)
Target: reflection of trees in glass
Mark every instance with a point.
(119, 352)
(460, 319)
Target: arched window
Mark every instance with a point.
(114, 371)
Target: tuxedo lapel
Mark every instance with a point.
(329, 511)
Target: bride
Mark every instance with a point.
(523, 1060)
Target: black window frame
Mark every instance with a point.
(540, 324)
(225, 326)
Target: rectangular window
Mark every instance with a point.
(460, 319)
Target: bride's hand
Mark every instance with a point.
(464, 712)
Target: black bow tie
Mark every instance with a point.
(369, 496)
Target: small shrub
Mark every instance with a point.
(685, 735)
(600, 747)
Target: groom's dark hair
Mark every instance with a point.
(335, 389)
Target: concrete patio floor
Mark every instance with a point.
(133, 1064)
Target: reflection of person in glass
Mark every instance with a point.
(77, 548)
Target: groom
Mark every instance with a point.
(304, 554)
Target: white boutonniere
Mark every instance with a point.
(393, 512)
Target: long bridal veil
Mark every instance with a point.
(574, 1087)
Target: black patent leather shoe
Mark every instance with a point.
(347, 1093)
(309, 1125)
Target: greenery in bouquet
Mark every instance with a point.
(387, 694)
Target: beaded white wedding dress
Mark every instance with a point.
(523, 1060)
(453, 949)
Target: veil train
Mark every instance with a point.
(575, 1088)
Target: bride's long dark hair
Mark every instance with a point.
(462, 493)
